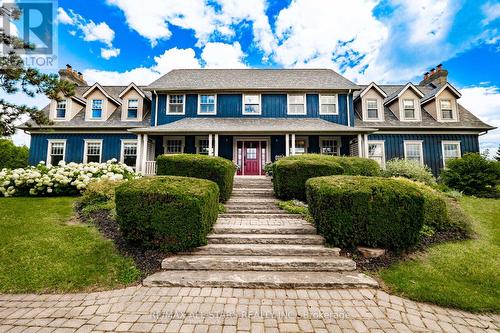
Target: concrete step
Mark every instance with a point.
(259, 263)
(265, 239)
(243, 195)
(265, 250)
(251, 205)
(252, 200)
(235, 210)
(288, 230)
(256, 279)
(282, 215)
(252, 190)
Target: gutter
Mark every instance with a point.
(156, 108)
(348, 109)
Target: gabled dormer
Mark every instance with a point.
(66, 108)
(371, 100)
(405, 104)
(133, 103)
(441, 103)
(100, 105)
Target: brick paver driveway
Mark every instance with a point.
(175, 309)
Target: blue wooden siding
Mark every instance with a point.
(75, 145)
(432, 148)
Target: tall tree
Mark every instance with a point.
(15, 77)
(497, 157)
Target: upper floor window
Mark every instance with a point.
(175, 104)
(329, 146)
(96, 109)
(56, 151)
(446, 109)
(296, 104)
(173, 145)
(61, 109)
(328, 104)
(414, 152)
(376, 151)
(92, 152)
(207, 104)
(451, 150)
(251, 104)
(409, 109)
(132, 108)
(372, 109)
(129, 153)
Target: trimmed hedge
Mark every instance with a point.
(167, 212)
(372, 211)
(291, 173)
(217, 169)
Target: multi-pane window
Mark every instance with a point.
(93, 151)
(446, 109)
(451, 150)
(296, 104)
(207, 104)
(372, 109)
(202, 145)
(61, 109)
(409, 108)
(97, 108)
(132, 108)
(329, 146)
(175, 104)
(251, 104)
(129, 153)
(328, 104)
(376, 152)
(300, 145)
(413, 151)
(173, 145)
(56, 152)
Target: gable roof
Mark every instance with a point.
(397, 94)
(252, 79)
(98, 86)
(370, 86)
(439, 89)
(132, 86)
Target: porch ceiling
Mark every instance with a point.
(252, 125)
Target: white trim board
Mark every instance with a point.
(198, 111)
(85, 146)
(49, 143)
(415, 142)
(288, 104)
(167, 105)
(456, 142)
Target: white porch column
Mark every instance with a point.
(287, 144)
(144, 153)
(360, 146)
(216, 144)
(210, 146)
(293, 144)
(366, 145)
(138, 164)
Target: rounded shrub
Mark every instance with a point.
(371, 211)
(409, 169)
(217, 169)
(99, 195)
(167, 212)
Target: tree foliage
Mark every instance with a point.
(12, 156)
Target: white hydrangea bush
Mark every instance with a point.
(62, 179)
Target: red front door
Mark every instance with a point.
(251, 158)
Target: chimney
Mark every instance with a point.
(72, 76)
(437, 76)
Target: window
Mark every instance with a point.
(132, 108)
(451, 149)
(56, 151)
(372, 109)
(92, 152)
(329, 146)
(173, 145)
(376, 151)
(61, 109)
(296, 104)
(175, 104)
(207, 104)
(328, 104)
(413, 151)
(96, 108)
(301, 145)
(129, 153)
(202, 145)
(446, 109)
(409, 109)
(251, 104)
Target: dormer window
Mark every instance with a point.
(446, 109)
(132, 108)
(96, 109)
(207, 104)
(409, 109)
(296, 104)
(175, 104)
(61, 109)
(372, 109)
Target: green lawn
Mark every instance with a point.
(40, 252)
(463, 275)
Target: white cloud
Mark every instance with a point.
(109, 53)
(63, 17)
(175, 58)
(491, 12)
(220, 55)
(97, 32)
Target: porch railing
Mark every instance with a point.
(150, 169)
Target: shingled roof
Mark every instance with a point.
(252, 79)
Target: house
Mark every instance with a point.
(253, 116)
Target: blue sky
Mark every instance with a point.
(118, 41)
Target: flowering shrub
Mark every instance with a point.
(63, 179)
(409, 169)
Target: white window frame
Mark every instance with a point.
(336, 113)
(416, 108)
(49, 149)
(122, 149)
(420, 143)
(451, 142)
(85, 146)
(196, 143)
(380, 109)
(453, 105)
(378, 142)
(288, 105)
(336, 138)
(183, 146)
(127, 118)
(103, 109)
(302, 137)
(66, 110)
(199, 105)
(243, 105)
(183, 105)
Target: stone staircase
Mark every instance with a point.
(255, 244)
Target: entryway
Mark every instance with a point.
(251, 156)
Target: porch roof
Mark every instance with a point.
(252, 125)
